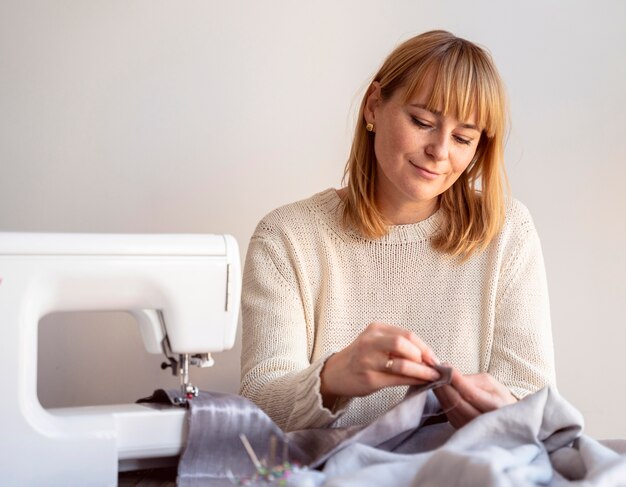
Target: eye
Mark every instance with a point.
(462, 140)
(420, 123)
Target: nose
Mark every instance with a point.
(437, 147)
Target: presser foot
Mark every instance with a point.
(180, 367)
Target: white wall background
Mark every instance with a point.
(201, 116)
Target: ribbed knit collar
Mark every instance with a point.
(331, 205)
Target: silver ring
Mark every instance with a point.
(389, 364)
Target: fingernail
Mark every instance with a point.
(434, 375)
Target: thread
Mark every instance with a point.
(443, 411)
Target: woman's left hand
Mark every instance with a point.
(468, 396)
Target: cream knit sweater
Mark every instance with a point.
(310, 286)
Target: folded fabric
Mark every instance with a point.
(214, 453)
(536, 441)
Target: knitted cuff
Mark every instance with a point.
(309, 411)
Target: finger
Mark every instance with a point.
(387, 380)
(478, 397)
(404, 344)
(397, 344)
(458, 420)
(456, 415)
(428, 355)
(409, 368)
(443, 396)
(456, 405)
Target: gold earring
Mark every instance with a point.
(369, 127)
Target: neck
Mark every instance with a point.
(404, 213)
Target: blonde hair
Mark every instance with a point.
(466, 82)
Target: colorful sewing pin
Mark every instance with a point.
(277, 475)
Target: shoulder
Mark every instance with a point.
(293, 235)
(518, 241)
(300, 217)
(518, 221)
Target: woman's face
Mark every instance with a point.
(419, 153)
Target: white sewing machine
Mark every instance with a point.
(184, 291)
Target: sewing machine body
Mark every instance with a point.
(184, 291)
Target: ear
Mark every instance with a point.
(372, 102)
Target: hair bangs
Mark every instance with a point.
(462, 86)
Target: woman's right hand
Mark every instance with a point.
(383, 355)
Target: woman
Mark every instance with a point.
(354, 294)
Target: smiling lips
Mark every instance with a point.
(425, 173)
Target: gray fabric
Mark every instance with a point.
(536, 441)
(214, 449)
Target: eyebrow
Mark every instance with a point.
(438, 113)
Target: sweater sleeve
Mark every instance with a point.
(276, 371)
(522, 354)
